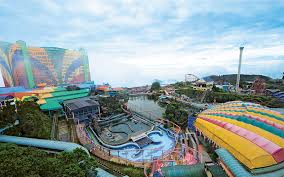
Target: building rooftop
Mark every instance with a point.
(5, 90)
(53, 102)
(80, 103)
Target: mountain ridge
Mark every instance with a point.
(231, 78)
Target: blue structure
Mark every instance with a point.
(5, 90)
(42, 143)
(239, 170)
(279, 95)
(191, 120)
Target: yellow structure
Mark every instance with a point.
(252, 133)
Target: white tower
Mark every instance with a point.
(239, 70)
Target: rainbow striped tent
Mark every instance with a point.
(253, 134)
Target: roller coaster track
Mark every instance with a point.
(190, 78)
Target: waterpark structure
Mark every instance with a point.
(29, 67)
(128, 139)
(230, 128)
(250, 138)
(158, 145)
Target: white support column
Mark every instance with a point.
(239, 70)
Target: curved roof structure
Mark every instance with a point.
(253, 134)
(42, 143)
(239, 171)
(196, 170)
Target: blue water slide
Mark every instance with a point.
(42, 143)
(239, 170)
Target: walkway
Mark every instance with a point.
(205, 155)
(63, 131)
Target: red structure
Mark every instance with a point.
(258, 86)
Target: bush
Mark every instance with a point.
(131, 171)
(18, 161)
(111, 105)
(33, 122)
(177, 113)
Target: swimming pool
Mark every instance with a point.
(163, 144)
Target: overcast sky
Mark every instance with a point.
(134, 42)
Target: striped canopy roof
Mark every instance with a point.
(252, 133)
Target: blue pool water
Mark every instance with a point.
(151, 151)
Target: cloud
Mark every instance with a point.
(50, 5)
(133, 42)
(93, 7)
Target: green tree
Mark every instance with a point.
(110, 105)
(178, 113)
(156, 86)
(18, 161)
(33, 122)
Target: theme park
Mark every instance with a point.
(129, 88)
(196, 127)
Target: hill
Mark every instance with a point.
(231, 78)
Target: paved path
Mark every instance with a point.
(63, 131)
(205, 155)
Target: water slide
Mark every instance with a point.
(39, 143)
(42, 143)
(91, 135)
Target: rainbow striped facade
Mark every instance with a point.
(29, 66)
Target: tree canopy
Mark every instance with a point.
(156, 86)
(178, 113)
(220, 96)
(18, 161)
(32, 122)
(110, 105)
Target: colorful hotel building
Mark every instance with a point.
(31, 66)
